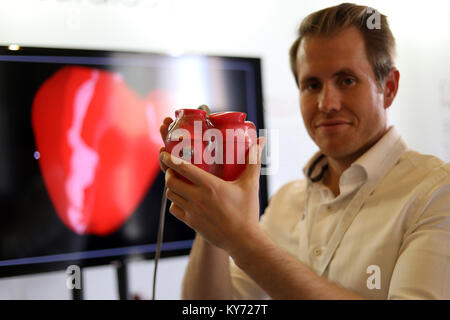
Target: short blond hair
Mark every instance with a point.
(379, 42)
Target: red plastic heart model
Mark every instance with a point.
(99, 144)
(243, 136)
(235, 136)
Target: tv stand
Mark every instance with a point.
(122, 279)
(122, 282)
(78, 294)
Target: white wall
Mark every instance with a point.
(260, 28)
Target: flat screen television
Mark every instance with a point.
(79, 140)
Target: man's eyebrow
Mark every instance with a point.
(343, 72)
(339, 73)
(308, 79)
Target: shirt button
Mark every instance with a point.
(328, 208)
(317, 252)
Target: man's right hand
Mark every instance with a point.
(205, 259)
(163, 130)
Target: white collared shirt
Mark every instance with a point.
(385, 236)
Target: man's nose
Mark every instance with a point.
(329, 99)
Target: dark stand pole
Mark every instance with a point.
(122, 279)
(78, 294)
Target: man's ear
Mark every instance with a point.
(391, 87)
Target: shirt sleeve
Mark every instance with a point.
(422, 270)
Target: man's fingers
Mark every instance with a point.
(177, 199)
(181, 188)
(178, 212)
(258, 147)
(253, 167)
(162, 166)
(167, 120)
(198, 176)
(163, 129)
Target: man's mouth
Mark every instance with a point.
(332, 123)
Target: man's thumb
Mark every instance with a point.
(253, 161)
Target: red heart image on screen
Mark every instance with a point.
(98, 144)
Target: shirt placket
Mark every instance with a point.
(318, 241)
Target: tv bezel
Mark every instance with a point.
(45, 267)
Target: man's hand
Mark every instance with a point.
(223, 212)
(163, 130)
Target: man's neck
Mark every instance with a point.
(334, 172)
(336, 166)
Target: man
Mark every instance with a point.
(371, 219)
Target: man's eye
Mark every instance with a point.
(348, 82)
(311, 86)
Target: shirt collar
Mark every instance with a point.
(377, 159)
(315, 168)
(374, 162)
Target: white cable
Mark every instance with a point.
(160, 238)
(161, 221)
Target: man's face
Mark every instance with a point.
(342, 107)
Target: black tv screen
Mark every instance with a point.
(79, 140)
